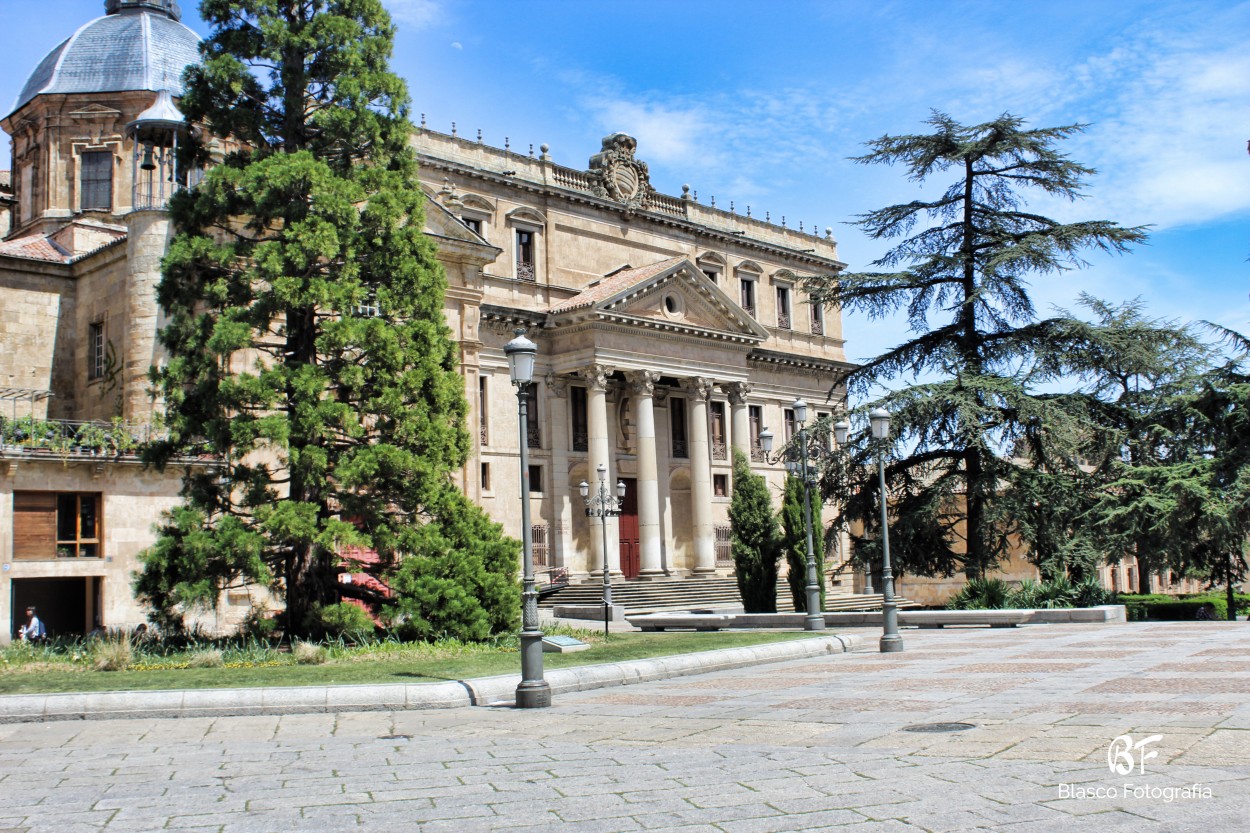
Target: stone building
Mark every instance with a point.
(669, 331)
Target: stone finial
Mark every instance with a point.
(545, 156)
(828, 232)
(685, 192)
(423, 121)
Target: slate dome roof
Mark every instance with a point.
(136, 45)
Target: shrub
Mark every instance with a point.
(1163, 608)
(342, 620)
(207, 658)
(756, 544)
(113, 653)
(980, 594)
(309, 653)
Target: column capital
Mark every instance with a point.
(642, 382)
(557, 385)
(737, 392)
(700, 387)
(596, 376)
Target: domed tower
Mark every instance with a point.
(72, 152)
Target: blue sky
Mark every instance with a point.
(761, 103)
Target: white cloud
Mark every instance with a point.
(669, 134)
(418, 14)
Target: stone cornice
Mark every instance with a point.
(792, 360)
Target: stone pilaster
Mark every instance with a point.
(560, 535)
(700, 389)
(599, 453)
(642, 388)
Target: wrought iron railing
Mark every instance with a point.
(525, 272)
(720, 451)
(482, 434)
(63, 436)
(818, 327)
(581, 442)
(533, 436)
(679, 449)
(758, 455)
(783, 320)
(724, 545)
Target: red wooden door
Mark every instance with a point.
(631, 554)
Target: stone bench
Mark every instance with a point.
(906, 618)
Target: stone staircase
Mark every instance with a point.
(691, 594)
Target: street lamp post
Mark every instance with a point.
(533, 692)
(890, 640)
(602, 505)
(797, 464)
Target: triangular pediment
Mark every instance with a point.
(671, 295)
(442, 223)
(95, 111)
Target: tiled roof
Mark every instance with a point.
(35, 248)
(613, 284)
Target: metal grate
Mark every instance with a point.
(724, 545)
(539, 544)
(719, 450)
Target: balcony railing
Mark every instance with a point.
(757, 454)
(783, 320)
(73, 437)
(818, 327)
(679, 449)
(720, 450)
(581, 442)
(525, 272)
(533, 437)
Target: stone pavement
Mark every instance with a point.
(806, 745)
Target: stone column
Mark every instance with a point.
(599, 452)
(740, 425)
(559, 536)
(642, 386)
(700, 389)
(148, 234)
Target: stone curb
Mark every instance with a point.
(111, 705)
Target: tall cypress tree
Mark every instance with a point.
(308, 350)
(794, 541)
(963, 283)
(755, 544)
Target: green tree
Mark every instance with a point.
(755, 542)
(794, 542)
(1135, 373)
(976, 391)
(308, 351)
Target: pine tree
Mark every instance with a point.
(974, 396)
(308, 351)
(794, 542)
(755, 543)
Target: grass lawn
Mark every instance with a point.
(380, 663)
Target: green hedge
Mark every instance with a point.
(1187, 608)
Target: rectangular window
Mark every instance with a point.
(533, 434)
(712, 275)
(720, 449)
(755, 423)
(95, 350)
(525, 255)
(97, 180)
(818, 319)
(485, 477)
(824, 438)
(482, 401)
(783, 307)
(368, 307)
(748, 295)
(791, 425)
(473, 224)
(49, 525)
(720, 485)
(577, 409)
(536, 480)
(677, 423)
(26, 199)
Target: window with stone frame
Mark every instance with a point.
(790, 423)
(97, 348)
(96, 180)
(755, 423)
(720, 446)
(677, 425)
(473, 224)
(783, 307)
(580, 423)
(818, 319)
(533, 429)
(483, 409)
(525, 264)
(50, 525)
(748, 294)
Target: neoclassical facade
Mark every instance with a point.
(669, 331)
